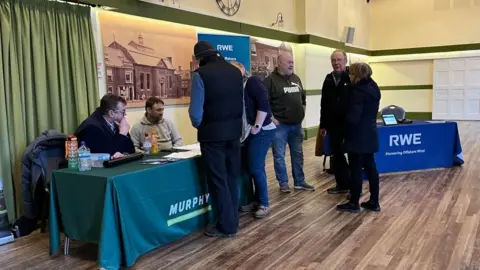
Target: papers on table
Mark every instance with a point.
(193, 150)
(183, 155)
(191, 147)
(435, 121)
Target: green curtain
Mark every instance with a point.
(48, 79)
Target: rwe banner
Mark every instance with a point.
(232, 47)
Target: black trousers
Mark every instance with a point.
(223, 169)
(367, 163)
(339, 162)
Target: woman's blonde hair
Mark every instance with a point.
(239, 66)
(360, 71)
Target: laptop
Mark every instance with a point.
(389, 120)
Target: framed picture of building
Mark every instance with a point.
(264, 54)
(145, 58)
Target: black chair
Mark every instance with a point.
(51, 159)
(399, 112)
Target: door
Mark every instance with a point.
(472, 90)
(131, 93)
(456, 89)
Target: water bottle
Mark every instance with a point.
(84, 157)
(73, 153)
(147, 145)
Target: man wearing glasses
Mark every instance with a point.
(106, 130)
(335, 94)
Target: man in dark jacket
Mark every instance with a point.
(335, 94)
(288, 104)
(216, 109)
(107, 130)
(361, 140)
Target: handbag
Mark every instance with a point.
(320, 145)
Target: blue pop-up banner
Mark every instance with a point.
(233, 48)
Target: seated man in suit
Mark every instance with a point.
(168, 136)
(106, 130)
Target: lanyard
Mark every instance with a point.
(335, 80)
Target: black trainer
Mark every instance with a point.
(349, 207)
(214, 232)
(372, 206)
(336, 190)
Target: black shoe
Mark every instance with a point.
(350, 195)
(348, 207)
(369, 205)
(330, 171)
(337, 190)
(214, 232)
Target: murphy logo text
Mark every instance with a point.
(190, 204)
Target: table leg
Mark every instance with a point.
(66, 246)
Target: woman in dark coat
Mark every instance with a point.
(361, 141)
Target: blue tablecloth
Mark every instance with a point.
(417, 146)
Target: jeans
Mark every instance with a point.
(223, 168)
(257, 149)
(293, 135)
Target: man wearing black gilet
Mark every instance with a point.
(216, 109)
(335, 94)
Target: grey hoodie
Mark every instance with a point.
(168, 135)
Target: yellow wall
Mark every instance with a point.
(410, 100)
(325, 18)
(423, 23)
(405, 73)
(261, 13)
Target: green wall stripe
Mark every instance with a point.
(311, 39)
(316, 92)
(433, 49)
(165, 13)
(311, 132)
(321, 41)
(313, 92)
(407, 87)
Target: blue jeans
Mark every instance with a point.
(257, 149)
(293, 135)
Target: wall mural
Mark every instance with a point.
(145, 57)
(264, 53)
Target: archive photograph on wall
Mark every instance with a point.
(145, 58)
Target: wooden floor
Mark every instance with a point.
(429, 220)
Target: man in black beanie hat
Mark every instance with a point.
(216, 108)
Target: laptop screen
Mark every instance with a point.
(389, 119)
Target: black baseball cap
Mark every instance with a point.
(202, 48)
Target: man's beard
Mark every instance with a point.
(156, 119)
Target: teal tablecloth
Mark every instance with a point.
(131, 209)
